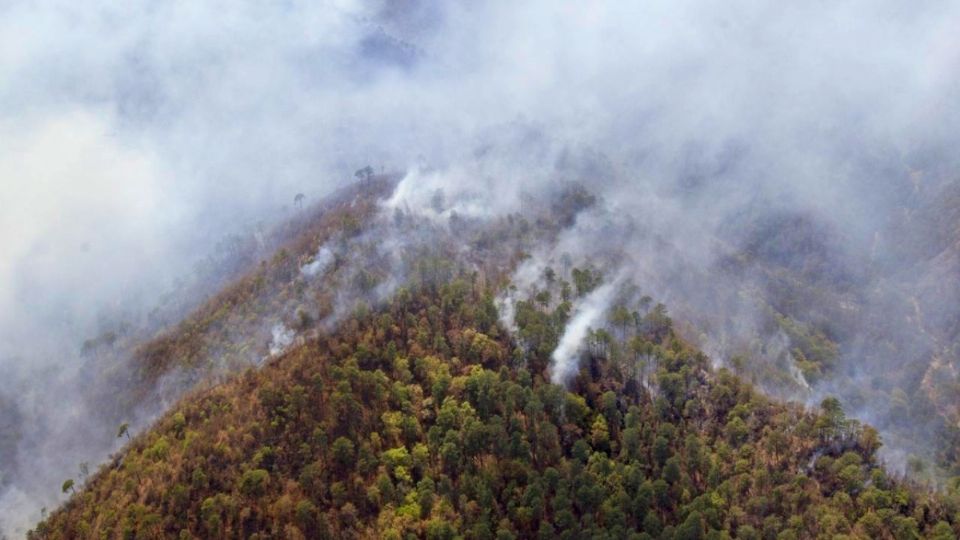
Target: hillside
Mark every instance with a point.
(217, 322)
(397, 401)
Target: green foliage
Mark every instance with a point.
(254, 483)
(423, 419)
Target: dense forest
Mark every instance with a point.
(414, 411)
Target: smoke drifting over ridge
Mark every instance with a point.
(135, 136)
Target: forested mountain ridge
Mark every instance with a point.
(417, 413)
(198, 335)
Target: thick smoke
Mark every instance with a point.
(136, 135)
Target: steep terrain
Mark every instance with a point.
(387, 375)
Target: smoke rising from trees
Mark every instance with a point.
(589, 313)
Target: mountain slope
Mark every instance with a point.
(425, 418)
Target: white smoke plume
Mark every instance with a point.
(321, 261)
(282, 338)
(565, 359)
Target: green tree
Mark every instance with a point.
(254, 483)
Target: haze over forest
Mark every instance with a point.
(782, 178)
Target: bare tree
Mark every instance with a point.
(364, 174)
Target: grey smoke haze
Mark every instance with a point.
(133, 136)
